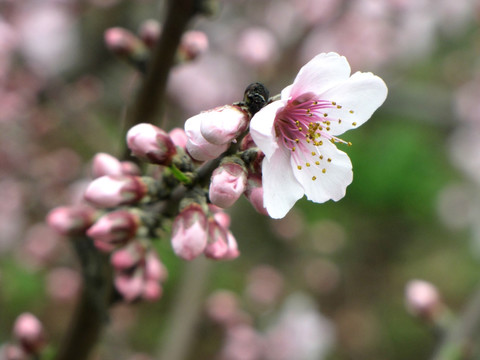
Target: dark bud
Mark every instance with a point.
(255, 97)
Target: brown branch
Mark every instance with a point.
(90, 315)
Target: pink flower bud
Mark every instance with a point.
(71, 220)
(152, 290)
(130, 286)
(422, 299)
(128, 256)
(150, 32)
(254, 193)
(113, 229)
(122, 42)
(189, 232)
(233, 251)
(111, 191)
(151, 144)
(222, 218)
(199, 148)
(14, 352)
(193, 44)
(130, 168)
(29, 332)
(223, 124)
(105, 164)
(217, 245)
(228, 183)
(178, 137)
(154, 269)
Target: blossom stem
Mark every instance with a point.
(463, 334)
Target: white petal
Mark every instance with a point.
(262, 129)
(280, 188)
(358, 98)
(325, 180)
(321, 73)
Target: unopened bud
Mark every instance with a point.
(178, 137)
(254, 193)
(151, 144)
(150, 32)
(130, 168)
(124, 43)
(154, 268)
(111, 191)
(105, 164)
(113, 229)
(128, 256)
(227, 184)
(232, 252)
(422, 299)
(223, 124)
(152, 290)
(29, 332)
(197, 146)
(71, 220)
(189, 232)
(217, 245)
(130, 286)
(193, 44)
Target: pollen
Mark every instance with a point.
(314, 178)
(324, 171)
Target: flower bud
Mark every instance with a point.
(113, 229)
(228, 182)
(199, 148)
(223, 124)
(189, 232)
(154, 268)
(151, 144)
(71, 220)
(111, 191)
(152, 290)
(123, 43)
(105, 164)
(232, 252)
(178, 137)
(128, 256)
(422, 299)
(217, 245)
(130, 168)
(29, 332)
(193, 44)
(150, 32)
(254, 193)
(130, 286)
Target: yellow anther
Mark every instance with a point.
(315, 102)
(332, 140)
(328, 128)
(314, 178)
(297, 141)
(300, 129)
(349, 143)
(334, 103)
(354, 123)
(299, 167)
(339, 121)
(320, 143)
(308, 164)
(351, 111)
(317, 162)
(308, 140)
(328, 123)
(313, 153)
(324, 171)
(321, 157)
(329, 160)
(293, 148)
(297, 122)
(339, 106)
(325, 115)
(310, 114)
(308, 110)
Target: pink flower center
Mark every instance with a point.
(305, 122)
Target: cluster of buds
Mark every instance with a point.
(136, 48)
(193, 175)
(138, 272)
(29, 338)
